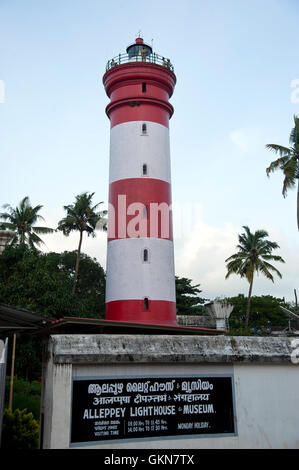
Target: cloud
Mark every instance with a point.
(201, 256)
(248, 139)
(240, 139)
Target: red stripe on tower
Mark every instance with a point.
(142, 208)
(159, 311)
(140, 284)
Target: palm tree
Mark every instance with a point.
(288, 162)
(253, 256)
(82, 217)
(21, 220)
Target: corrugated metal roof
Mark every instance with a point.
(17, 319)
(79, 325)
(13, 319)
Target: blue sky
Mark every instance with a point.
(235, 61)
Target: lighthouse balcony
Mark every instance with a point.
(152, 58)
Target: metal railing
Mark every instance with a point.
(152, 58)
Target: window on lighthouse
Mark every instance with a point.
(146, 303)
(144, 169)
(143, 87)
(145, 255)
(143, 128)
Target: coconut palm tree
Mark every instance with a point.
(253, 256)
(288, 162)
(21, 220)
(82, 217)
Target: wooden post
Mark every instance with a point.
(12, 372)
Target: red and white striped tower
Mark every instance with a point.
(140, 283)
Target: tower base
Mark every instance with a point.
(158, 312)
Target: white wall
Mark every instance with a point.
(266, 403)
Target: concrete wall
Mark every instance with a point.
(202, 321)
(265, 383)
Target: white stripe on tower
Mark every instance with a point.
(151, 277)
(129, 153)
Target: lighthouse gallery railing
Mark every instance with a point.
(152, 58)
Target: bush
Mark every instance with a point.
(20, 430)
(264, 310)
(25, 395)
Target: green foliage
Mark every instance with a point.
(264, 311)
(91, 278)
(43, 283)
(25, 395)
(188, 301)
(288, 162)
(20, 430)
(288, 159)
(28, 358)
(22, 220)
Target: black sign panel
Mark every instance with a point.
(126, 408)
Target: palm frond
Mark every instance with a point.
(94, 208)
(8, 226)
(263, 268)
(43, 230)
(288, 183)
(270, 267)
(277, 164)
(274, 258)
(236, 256)
(5, 215)
(294, 135)
(280, 149)
(34, 240)
(25, 202)
(260, 234)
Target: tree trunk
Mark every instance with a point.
(248, 304)
(22, 237)
(77, 262)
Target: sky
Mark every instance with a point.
(236, 63)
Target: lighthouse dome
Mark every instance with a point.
(139, 48)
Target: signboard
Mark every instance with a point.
(138, 407)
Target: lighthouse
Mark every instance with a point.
(140, 285)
